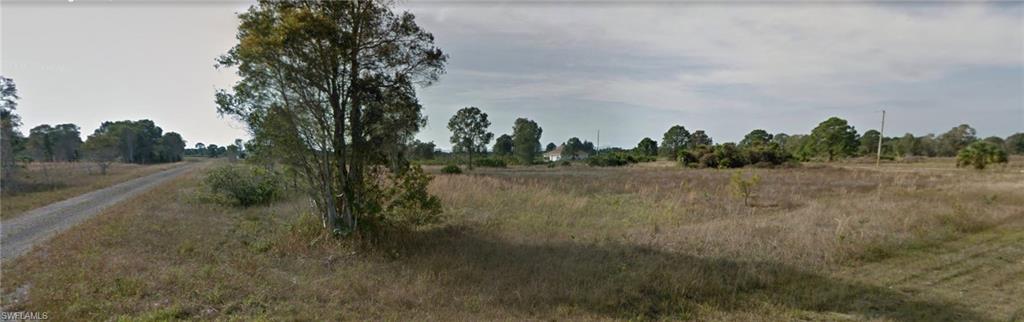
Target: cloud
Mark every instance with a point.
(810, 54)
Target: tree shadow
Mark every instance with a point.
(627, 281)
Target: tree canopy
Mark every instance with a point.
(503, 145)
(756, 138)
(674, 140)
(54, 143)
(526, 140)
(469, 132)
(647, 147)
(331, 86)
(833, 138)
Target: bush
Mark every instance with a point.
(243, 186)
(400, 202)
(616, 159)
(566, 163)
(728, 155)
(743, 188)
(490, 162)
(980, 154)
(451, 169)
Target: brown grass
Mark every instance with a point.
(579, 243)
(43, 183)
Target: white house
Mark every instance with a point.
(556, 154)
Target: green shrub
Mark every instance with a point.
(566, 163)
(490, 162)
(980, 154)
(400, 202)
(451, 169)
(244, 186)
(743, 188)
(615, 159)
(729, 155)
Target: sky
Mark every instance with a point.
(627, 69)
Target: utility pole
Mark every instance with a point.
(598, 150)
(881, 130)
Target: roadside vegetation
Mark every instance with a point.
(333, 210)
(43, 183)
(645, 242)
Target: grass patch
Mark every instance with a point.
(44, 183)
(528, 243)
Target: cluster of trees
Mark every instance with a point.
(60, 143)
(128, 141)
(237, 150)
(470, 136)
(830, 140)
(574, 147)
(134, 142)
(698, 150)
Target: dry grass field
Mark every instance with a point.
(43, 183)
(922, 241)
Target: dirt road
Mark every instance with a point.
(19, 234)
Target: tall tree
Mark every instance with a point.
(40, 143)
(54, 143)
(674, 140)
(699, 138)
(469, 131)
(756, 137)
(422, 150)
(907, 145)
(526, 139)
(868, 143)
(956, 139)
(833, 138)
(171, 148)
(503, 145)
(647, 147)
(1015, 143)
(572, 148)
(333, 83)
(9, 122)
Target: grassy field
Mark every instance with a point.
(43, 183)
(922, 241)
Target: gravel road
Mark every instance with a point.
(19, 234)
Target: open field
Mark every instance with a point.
(922, 241)
(43, 183)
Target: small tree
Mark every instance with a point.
(699, 138)
(101, 149)
(743, 187)
(469, 131)
(647, 147)
(756, 138)
(980, 154)
(503, 145)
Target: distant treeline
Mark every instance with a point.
(236, 150)
(833, 139)
(128, 141)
